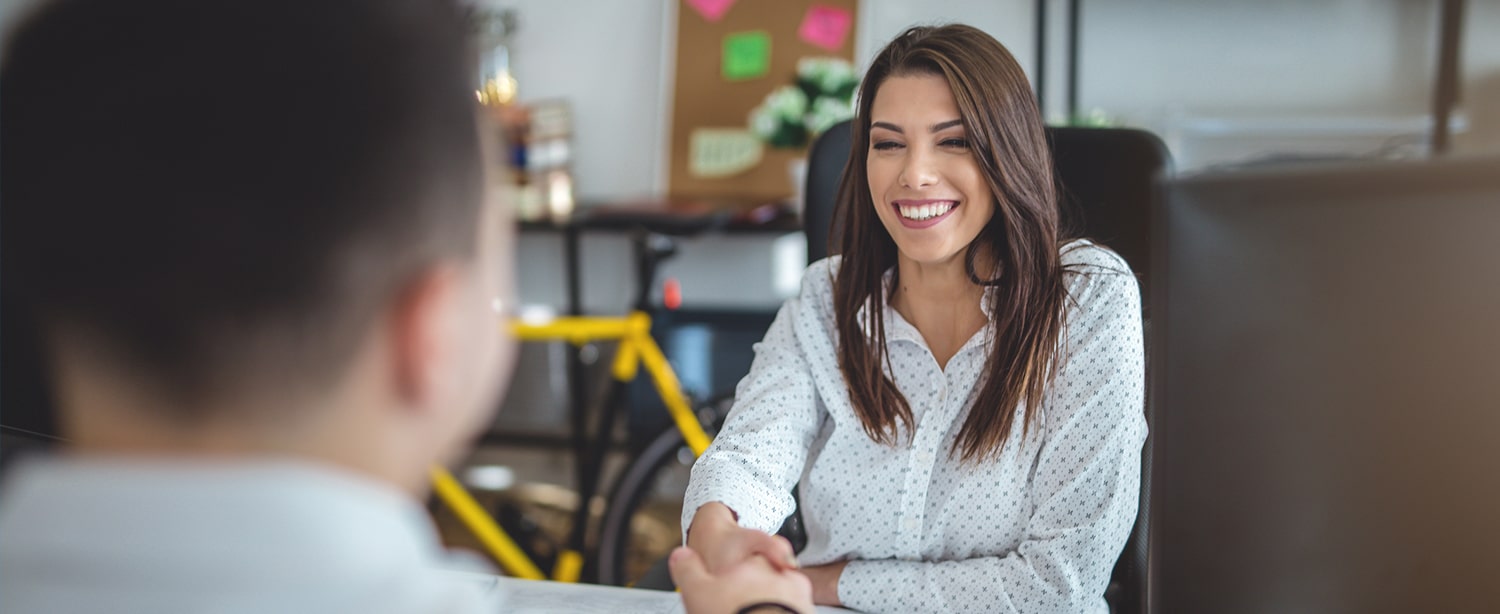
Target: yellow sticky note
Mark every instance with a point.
(723, 152)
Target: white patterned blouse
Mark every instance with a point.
(1037, 529)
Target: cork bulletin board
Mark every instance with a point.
(730, 55)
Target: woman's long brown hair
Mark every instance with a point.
(1017, 251)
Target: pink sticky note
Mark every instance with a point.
(712, 10)
(825, 26)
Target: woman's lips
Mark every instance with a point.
(923, 213)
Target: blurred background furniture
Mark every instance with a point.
(1325, 390)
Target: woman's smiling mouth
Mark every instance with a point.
(923, 213)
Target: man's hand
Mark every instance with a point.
(728, 589)
(722, 542)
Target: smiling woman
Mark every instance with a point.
(920, 171)
(958, 394)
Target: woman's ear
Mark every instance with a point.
(423, 322)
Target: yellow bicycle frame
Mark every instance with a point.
(636, 347)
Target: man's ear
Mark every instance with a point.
(422, 323)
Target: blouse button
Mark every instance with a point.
(911, 525)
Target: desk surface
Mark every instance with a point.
(538, 597)
(683, 218)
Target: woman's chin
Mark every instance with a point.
(931, 255)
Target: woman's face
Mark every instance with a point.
(925, 182)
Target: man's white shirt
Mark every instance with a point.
(81, 534)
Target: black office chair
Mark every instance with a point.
(1107, 181)
(825, 167)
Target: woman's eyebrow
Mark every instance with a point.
(938, 127)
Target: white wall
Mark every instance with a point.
(1009, 21)
(1232, 80)
(1265, 57)
(727, 272)
(606, 59)
(1274, 56)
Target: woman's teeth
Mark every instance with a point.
(925, 212)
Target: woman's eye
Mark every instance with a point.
(956, 143)
(886, 145)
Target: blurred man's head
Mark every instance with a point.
(255, 226)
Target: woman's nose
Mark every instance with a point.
(918, 170)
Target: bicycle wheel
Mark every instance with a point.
(642, 520)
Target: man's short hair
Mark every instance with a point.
(211, 188)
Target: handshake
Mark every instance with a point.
(728, 569)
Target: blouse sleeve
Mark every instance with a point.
(758, 455)
(1084, 491)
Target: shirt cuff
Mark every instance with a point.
(749, 504)
(883, 585)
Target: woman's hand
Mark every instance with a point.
(825, 582)
(723, 543)
(737, 586)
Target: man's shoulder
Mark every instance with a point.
(85, 537)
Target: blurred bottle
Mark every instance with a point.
(538, 135)
(493, 32)
(496, 89)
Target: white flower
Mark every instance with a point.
(787, 102)
(763, 122)
(826, 112)
(829, 75)
(787, 118)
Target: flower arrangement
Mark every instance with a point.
(822, 95)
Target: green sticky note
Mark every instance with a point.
(747, 55)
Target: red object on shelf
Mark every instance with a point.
(671, 293)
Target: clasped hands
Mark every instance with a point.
(726, 568)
